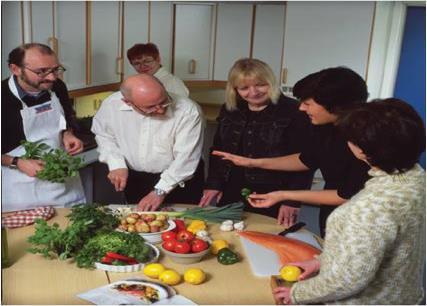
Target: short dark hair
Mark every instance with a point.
(138, 50)
(16, 56)
(390, 133)
(333, 88)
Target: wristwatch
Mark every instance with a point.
(159, 192)
(14, 163)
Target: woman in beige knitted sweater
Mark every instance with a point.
(374, 244)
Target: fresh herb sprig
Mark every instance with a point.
(59, 165)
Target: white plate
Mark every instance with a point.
(162, 293)
(129, 268)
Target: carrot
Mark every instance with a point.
(288, 250)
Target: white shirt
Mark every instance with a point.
(170, 144)
(171, 83)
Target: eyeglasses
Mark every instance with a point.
(151, 109)
(145, 62)
(44, 72)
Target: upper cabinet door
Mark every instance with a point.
(233, 36)
(70, 29)
(105, 42)
(268, 35)
(161, 30)
(10, 20)
(136, 28)
(193, 43)
(319, 35)
(42, 22)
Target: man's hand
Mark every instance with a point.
(151, 201)
(266, 200)
(119, 178)
(208, 196)
(283, 294)
(287, 215)
(30, 166)
(235, 159)
(72, 144)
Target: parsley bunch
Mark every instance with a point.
(59, 165)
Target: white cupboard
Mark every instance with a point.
(193, 41)
(268, 35)
(10, 20)
(233, 36)
(319, 35)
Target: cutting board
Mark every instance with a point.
(265, 262)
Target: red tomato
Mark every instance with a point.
(184, 235)
(169, 235)
(180, 225)
(169, 245)
(182, 247)
(198, 245)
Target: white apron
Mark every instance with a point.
(43, 123)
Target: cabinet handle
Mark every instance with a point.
(284, 75)
(192, 67)
(119, 65)
(54, 44)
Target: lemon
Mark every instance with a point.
(290, 273)
(170, 277)
(218, 245)
(194, 276)
(153, 270)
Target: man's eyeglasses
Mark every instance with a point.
(151, 109)
(145, 62)
(44, 72)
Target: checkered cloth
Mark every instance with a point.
(27, 217)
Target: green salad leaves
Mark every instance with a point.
(90, 234)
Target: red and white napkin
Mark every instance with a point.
(27, 217)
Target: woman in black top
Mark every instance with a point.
(323, 95)
(256, 121)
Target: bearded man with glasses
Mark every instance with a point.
(36, 107)
(145, 58)
(151, 141)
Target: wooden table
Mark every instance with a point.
(32, 279)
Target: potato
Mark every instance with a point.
(161, 217)
(142, 227)
(148, 217)
(131, 228)
(134, 215)
(156, 223)
(123, 222)
(131, 220)
(154, 228)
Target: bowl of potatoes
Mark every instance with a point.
(149, 225)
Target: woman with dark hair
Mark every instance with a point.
(322, 95)
(256, 121)
(375, 243)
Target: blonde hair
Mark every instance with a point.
(249, 68)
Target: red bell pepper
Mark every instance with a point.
(180, 225)
(120, 257)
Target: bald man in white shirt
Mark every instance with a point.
(152, 143)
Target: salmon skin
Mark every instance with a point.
(289, 250)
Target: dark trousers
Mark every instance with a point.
(141, 183)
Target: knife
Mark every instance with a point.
(292, 228)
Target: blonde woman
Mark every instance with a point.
(256, 121)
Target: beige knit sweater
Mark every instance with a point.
(374, 246)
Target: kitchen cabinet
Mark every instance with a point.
(10, 20)
(268, 35)
(233, 36)
(193, 41)
(105, 40)
(319, 35)
(136, 29)
(42, 21)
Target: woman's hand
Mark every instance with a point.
(266, 200)
(209, 195)
(309, 267)
(235, 159)
(283, 294)
(287, 215)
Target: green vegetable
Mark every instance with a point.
(245, 192)
(127, 244)
(211, 214)
(59, 165)
(86, 220)
(227, 257)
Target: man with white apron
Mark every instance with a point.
(29, 96)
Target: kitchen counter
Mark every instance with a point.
(32, 279)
